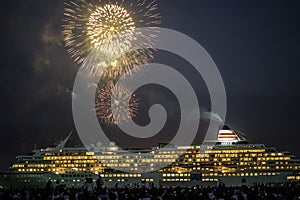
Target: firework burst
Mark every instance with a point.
(89, 25)
(109, 69)
(108, 21)
(115, 98)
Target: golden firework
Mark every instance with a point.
(117, 98)
(107, 22)
(98, 25)
(114, 69)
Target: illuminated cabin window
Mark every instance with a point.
(147, 180)
(210, 179)
(175, 179)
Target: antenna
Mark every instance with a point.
(63, 142)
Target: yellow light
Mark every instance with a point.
(114, 64)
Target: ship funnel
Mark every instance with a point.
(227, 136)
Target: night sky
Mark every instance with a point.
(255, 44)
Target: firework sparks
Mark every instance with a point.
(108, 21)
(128, 62)
(117, 98)
(89, 26)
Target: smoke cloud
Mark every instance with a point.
(210, 115)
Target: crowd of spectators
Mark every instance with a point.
(89, 191)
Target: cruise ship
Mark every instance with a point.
(229, 159)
